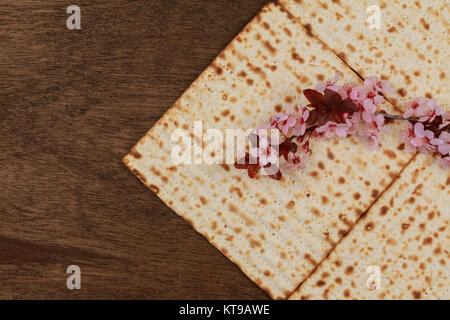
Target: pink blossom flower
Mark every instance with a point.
(296, 122)
(368, 117)
(442, 143)
(426, 109)
(342, 90)
(275, 120)
(332, 129)
(373, 83)
(431, 113)
(295, 161)
(368, 114)
(378, 100)
(371, 129)
(367, 96)
(300, 126)
(445, 162)
(282, 121)
(379, 122)
(415, 107)
(288, 121)
(445, 123)
(264, 152)
(321, 86)
(407, 135)
(374, 139)
(369, 106)
(358, 94)
(417, 138)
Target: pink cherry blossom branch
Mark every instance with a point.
(337, 111)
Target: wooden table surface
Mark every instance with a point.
(73, 102)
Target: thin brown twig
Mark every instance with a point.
(396, 117)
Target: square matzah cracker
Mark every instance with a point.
(401, 245)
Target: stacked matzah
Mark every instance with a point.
(276, 231)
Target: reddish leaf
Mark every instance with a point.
(347, 106)
(327, 107)
(332, 98)
(276, 176)
(253, 171)
(243, 163)
(313, 96)
(285, 147)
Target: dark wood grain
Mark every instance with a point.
(73, 102)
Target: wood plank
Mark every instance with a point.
(73, 102)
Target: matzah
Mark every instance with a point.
(405, 236)
(275, 231)
(411, 48)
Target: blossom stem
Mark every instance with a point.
(396, 117)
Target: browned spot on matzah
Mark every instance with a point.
(288, 32)
(269, 47)
(402, 92)
(255, 243)
(295, 56)
(310, 259)
(315, 211)
(320, 283)
(152, 187)
(349, 270)
(321, 165)
(369, 226)
(242, 74)
(347, 293)
(391, 154)
(308, 30)
(392, 29)
(314, 174)
(425, 24)
(237, 190)
(203, 200)
(135, 153)
(290, 204)
(330, 154)
(140, 176)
